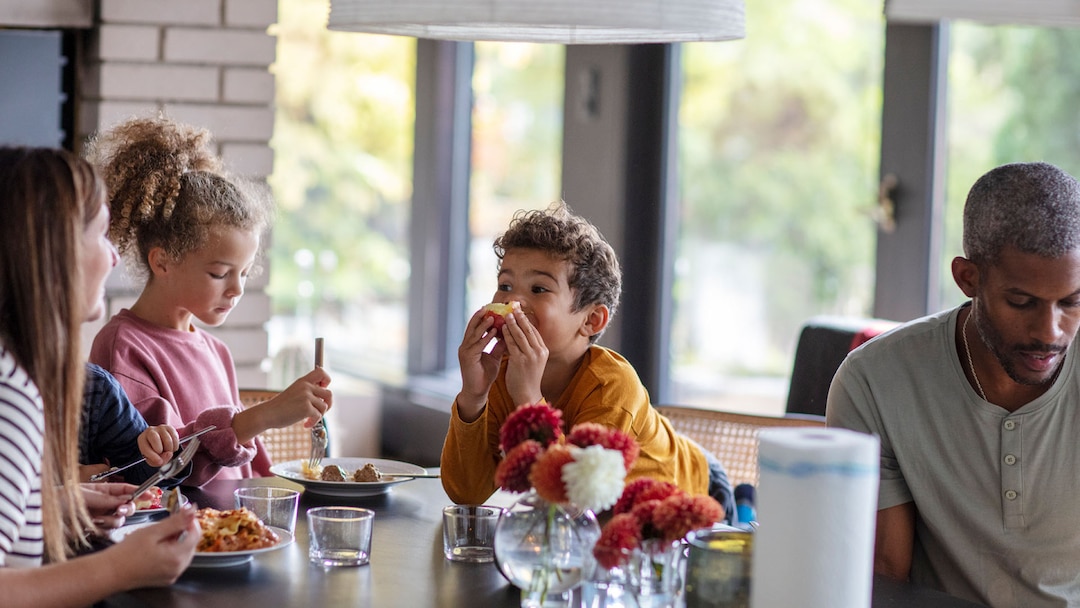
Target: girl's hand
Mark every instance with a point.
(528, 358)
(156, 555)
(157, 444)
(306, 399)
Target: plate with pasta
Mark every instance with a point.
(233, 536)
(348, 477)
(229, 538)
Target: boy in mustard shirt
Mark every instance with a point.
(568, 282)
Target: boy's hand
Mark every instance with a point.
(478, 368)
(157, 444)
(528, 358)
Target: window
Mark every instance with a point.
(516, 147)
(342, 180)
(778, 164)
(1012, 97)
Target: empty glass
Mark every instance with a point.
(340, 536)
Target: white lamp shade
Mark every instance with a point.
(1053, 13)
(554, 21)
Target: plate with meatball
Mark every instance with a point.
(348, 477)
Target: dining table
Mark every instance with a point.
(407, 567)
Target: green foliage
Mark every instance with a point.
(780, 139)
(343, 158)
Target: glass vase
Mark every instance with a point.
(650, 576)
(545, 549)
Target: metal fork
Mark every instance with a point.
(169, 469)
(318, 430)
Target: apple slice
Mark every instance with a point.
(499, 312)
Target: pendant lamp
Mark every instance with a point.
(553, 21)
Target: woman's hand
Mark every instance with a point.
(156, 555)
(157, 444)
(109, 503)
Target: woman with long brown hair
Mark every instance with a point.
(54, 257)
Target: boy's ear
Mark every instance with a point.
(596, 320)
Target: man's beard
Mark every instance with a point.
(994, 341)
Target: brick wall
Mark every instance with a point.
(203, 62)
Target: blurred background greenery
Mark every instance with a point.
(779, 145)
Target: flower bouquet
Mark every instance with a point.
(544, 543)
(641, 547)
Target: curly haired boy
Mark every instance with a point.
(566, 279)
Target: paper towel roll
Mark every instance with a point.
(817, 506)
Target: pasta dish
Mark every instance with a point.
(233, 530)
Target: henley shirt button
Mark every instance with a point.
(1010, 425)
(1010, 459)
(1010, 494)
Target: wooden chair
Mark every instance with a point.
(284, 444)
(733, 438)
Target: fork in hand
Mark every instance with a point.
(169, 469)
(318, 430)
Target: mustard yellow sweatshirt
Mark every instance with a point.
(606, 390)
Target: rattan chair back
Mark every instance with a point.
(289, 443)
(733, 438)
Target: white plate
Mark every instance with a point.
(219, 559)
(293, 471)
(224, 559)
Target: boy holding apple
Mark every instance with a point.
(565, 282)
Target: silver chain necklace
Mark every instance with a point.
(967, 350)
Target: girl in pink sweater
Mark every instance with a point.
(194, 233)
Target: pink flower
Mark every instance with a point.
(512, 474)
(677, 515)
(644, 488)
(539, 422)
(592, 433)
(621, 535)
(546, 475)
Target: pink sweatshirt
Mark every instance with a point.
(185, 379)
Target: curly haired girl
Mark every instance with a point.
(193, 232)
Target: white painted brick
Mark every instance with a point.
(128, 42)
(252, 311)
(173, 12)
(159, 81)
(248, 346)
(251, 160)
(248, 85)
(219, 46)
(236, 123)
(250, 13)
(101, 114)
(251, 376)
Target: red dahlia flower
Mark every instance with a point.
(538, 421)
(512, 474)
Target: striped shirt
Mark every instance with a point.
(22, 428)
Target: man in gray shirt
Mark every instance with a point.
(978, 407)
